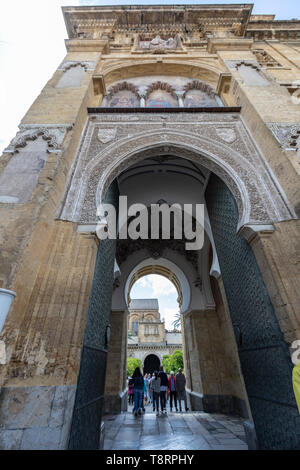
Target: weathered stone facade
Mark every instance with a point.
(72, 145)
(147, 333)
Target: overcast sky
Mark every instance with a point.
(32, 34)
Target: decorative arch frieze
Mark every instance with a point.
(122, 86)
(199, 85)
(160, 86)
(220, 142)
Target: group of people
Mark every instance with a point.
(157, 389)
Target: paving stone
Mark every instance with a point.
(10, 439)
(185, 431)
(41, 439)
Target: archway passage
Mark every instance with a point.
(151, 364)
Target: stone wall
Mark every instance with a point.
(116, 381)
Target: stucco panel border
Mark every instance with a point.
(221, 144)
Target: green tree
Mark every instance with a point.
(132, 364)
(173, 362)
(166, 362)
(177, 360)
(177, 321)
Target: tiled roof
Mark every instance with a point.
(143, 304)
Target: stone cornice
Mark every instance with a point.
(153, 346)
(234, 17)
(87, 45)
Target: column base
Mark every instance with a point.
(114, 404)
(36, 418)
(225, 404)
(250, 435)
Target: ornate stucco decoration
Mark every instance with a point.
(54, 134)
(160, 86)
(199, 85)
(160, 44)
(227, 134)
(234, 64)
(287, 135)
(122, 86)
(106, 135)
(264, 59)
(206, 138)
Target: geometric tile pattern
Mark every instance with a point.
(86, 422)
(264, 355)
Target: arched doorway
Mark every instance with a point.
(245, 188)
(151, 364)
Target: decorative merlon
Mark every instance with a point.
(287, 135)
(54, 134)
(234, 64)
(87, 65)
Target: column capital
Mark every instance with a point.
(249, 232)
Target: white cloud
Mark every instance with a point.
(168, 314)
(142, 282)
(161, 286)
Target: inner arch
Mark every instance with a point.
(167, 269)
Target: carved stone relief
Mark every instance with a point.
(227, 134)
(250, 72)
(87, 65)
(288, 135)
(220, 142)
(106, 135)
(30, 147)
(53, 134)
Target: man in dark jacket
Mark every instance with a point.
(172, 388)
(180, 389)
(164, 383)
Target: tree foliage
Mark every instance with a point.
(173, 362)
(132, 364)
(177, 321)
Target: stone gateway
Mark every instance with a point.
(193, 104)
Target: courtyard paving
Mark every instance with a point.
(175, 431)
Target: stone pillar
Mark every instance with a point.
(87, 413)
(115, 385)
(142, 101)
(180, 98)
(192, 363)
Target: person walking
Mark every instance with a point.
(180, 389)
(173, 393)
(146, 384)
(152, 391)
(164, 383)
(130, 391)
(155, 386)
(138, 391)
